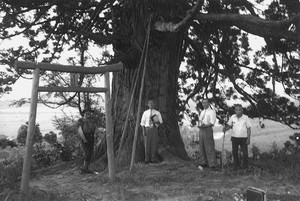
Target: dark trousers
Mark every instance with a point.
(236, 142)
(88, 147)
(150, 140)
(207, 149)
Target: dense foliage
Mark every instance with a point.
(218, 60)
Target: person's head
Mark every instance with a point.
(150, 104)
(238, 109)
(205, 103)
(87, 113)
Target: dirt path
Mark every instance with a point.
(163, 182)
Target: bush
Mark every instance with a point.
(51, 138)
(283, 163)
(10, 172)
(44, 157)
(70, 148)
(22, 134)
(4, 142)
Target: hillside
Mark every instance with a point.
(274, 133)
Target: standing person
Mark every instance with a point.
(240, 124)
(86, 127)
(207, 150)
(150, 121)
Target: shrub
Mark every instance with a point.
(43, 157)
(22, 134)
(279, 162)
(51, 138)
(4, 142)
(10, 172)
(70, 147)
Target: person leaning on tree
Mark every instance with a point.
(150, 122)
(207, 150)
(86, 127)
(241, 127)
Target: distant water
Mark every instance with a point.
(11, 118)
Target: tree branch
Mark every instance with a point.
(249, 23)
(172, 27)
(258, 26)
(98, 38)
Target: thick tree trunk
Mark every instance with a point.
(161, 81)
(160, 85)
(164, 58)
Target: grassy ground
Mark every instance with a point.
(179, 181)
(163, 182)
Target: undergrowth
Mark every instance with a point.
(282, 163)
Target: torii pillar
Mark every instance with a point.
(33, 110)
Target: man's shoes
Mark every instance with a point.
(147, 162)
(155, 161)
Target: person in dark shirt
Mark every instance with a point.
(86, 127)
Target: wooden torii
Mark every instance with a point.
(33, 109)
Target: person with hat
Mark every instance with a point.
(150, 121)
(86, 127)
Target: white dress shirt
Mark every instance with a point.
(146, 121)
(239, 125)
(207, 116)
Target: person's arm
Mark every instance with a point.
(96, 129)
(227, 126)
(248, 135)
(143, 130)
(248, 124)
(80, 131)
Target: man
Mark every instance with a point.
(86, 129)
(150, 121)
(207, 150)
(240, 124)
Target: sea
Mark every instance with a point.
(12, 117)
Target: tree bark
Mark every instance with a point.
(162, 70)
(161, 86)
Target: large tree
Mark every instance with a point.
(211, 36)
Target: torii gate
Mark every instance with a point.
(33, 108)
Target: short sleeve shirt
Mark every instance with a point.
(208, 116)
(239, 125)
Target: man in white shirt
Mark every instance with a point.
(150, 121)
(240, 124)
(207, 150)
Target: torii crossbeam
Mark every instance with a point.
(33, 109)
